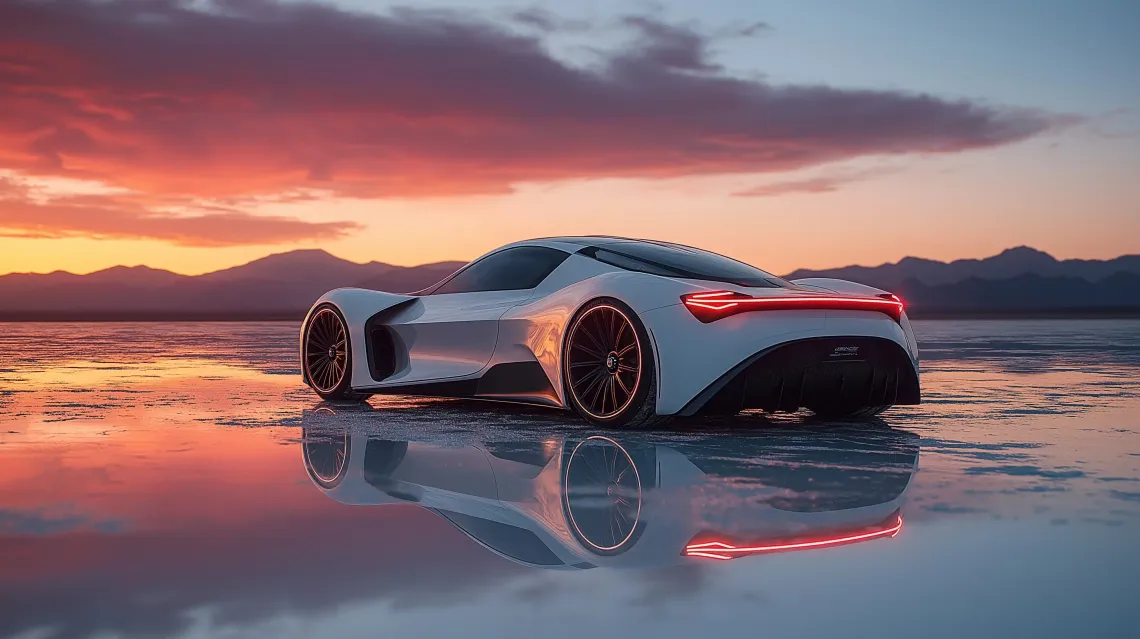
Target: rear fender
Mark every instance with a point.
(832, 285)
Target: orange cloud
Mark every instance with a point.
(259, 96)
(124, 216)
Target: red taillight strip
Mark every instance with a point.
(726, 550)
(711, 306)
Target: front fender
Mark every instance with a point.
(356, 305)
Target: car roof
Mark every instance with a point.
(592, 240)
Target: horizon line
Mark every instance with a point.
(465, 261)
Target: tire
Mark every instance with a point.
(326, 331)
(603, 488)
(326, 457)
(608, 370)
(849, 413)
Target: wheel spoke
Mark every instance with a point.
(617, 336)
(597, 393)
(622, 473)
(624, 388)
(611, 390)
(596, 353)
(596, 383)
(620, 512)
(594, 339)
(598, 474)
(322, 331)
(598, 370)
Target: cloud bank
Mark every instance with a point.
(257, 97)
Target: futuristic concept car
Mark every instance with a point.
(623, 502)
(624, 332)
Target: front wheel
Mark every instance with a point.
(326, 354)
(608, 369)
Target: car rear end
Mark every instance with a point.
(728, 348)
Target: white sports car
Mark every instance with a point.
(572, 503)
(624, 332)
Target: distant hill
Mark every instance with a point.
(1010, 263)
(1026, 294)
(278, 286)
(1019, 281)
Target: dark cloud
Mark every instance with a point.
(754, 28)
(257, 97)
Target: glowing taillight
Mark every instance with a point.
(714, 305)
(718, 549)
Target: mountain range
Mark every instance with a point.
(280, 286)
(1020, 280)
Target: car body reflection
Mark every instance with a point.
(562, 501)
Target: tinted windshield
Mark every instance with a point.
(684, 261)
(511, 269)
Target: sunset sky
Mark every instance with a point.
(197, 135)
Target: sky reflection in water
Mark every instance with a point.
(153, 482)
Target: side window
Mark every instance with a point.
(511, 269)
(632, 264)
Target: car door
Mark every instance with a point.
(456, 326)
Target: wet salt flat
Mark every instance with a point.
(179, 481)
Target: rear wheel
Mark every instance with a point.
(608, 369)
(602, 496)
(326, 355)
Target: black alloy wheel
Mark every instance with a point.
(603, 362)
(326, 354)
(603, 492)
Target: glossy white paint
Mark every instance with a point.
(693, 355)
(472, 481)
(450, 336)
(356, 306)
(459, 336)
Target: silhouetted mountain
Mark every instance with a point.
(307, 265)
(404, 280)
(1027, 293)
(1007, 264)
(1019, 280)
(281, 285)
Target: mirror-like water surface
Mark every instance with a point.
(178, 481)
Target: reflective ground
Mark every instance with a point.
(177, 481)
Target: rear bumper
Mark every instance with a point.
(840, 373)
(696, 361)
